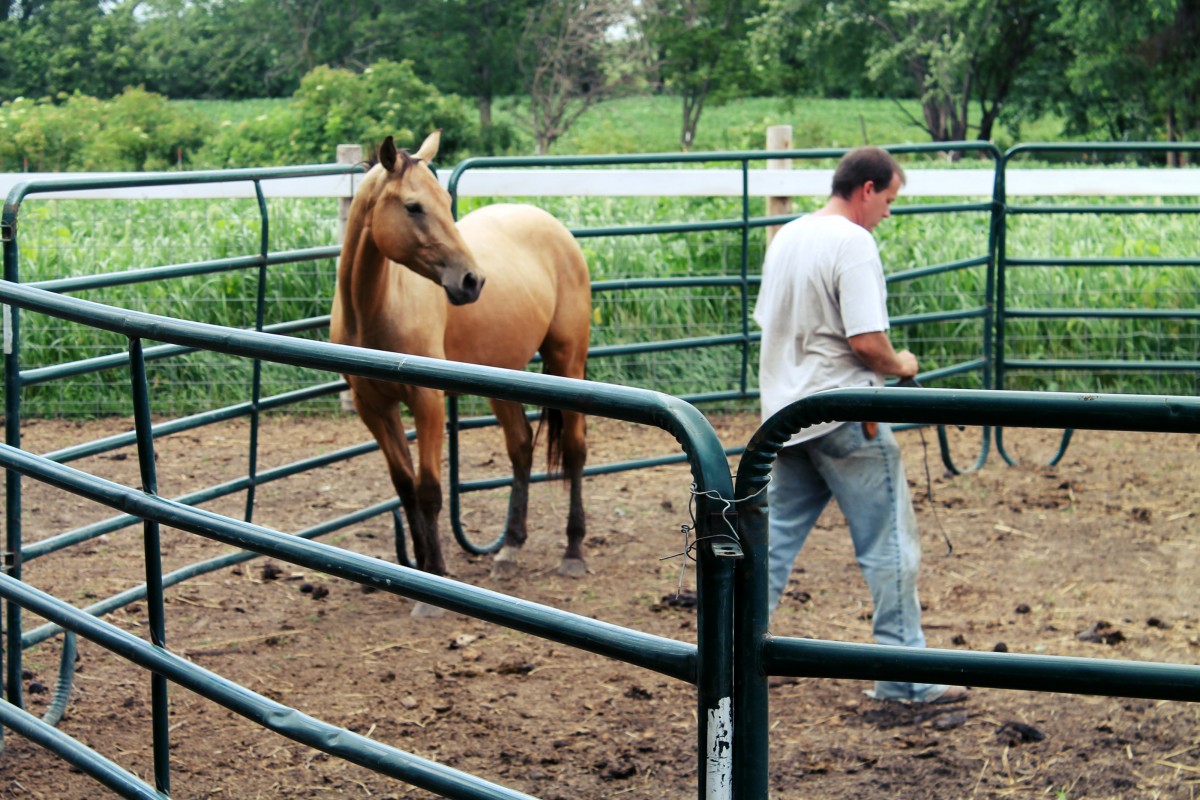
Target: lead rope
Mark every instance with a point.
(929, 496)
(912, 382)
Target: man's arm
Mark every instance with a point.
(875, 350)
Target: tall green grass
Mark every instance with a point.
(67, 238)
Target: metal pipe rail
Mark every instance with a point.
(758, 654)
(707, 664)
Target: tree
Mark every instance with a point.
(468, 47)
(953, 55)
(52, 48)
(565, 56)
(701, 49)
(1135, 73)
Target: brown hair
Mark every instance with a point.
(864, 164)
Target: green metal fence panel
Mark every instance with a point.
(759, 654)
(1100, 353)
(988, 314)
(706, 664)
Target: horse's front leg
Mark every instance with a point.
(518, 439)
(429, 416)
(380, 412)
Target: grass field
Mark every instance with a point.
(649, 124)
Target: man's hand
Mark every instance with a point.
(875, 350)
(908, 365)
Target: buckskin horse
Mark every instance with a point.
(506, 281)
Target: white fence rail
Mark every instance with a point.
(682, 181)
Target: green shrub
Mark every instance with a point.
(134, 131)
(338, 106)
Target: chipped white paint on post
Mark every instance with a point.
(720, 751)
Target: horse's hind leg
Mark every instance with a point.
(518, 438)
(565, 353)
(574, 457)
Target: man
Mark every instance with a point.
(823, 313)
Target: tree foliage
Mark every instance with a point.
(1136, 68)
(1109, 68)
(700, 49)
(66, 46)
(958, 57)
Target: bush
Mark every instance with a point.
(337, 106)
(136, 130)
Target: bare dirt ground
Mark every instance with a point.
(1108, 541)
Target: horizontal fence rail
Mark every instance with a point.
(649, 182)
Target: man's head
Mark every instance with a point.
(868, 179)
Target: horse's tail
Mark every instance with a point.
(552, 419)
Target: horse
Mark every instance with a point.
(504, 282)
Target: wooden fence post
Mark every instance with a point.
(346, 154)
(779, 137)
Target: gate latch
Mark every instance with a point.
(723, 534)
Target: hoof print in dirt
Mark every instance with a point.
(1014, 733)
(676, 600)
(515, 668)
(949, 722)
(271, 571)
(1101, 633)
(618, 772)
(316, 590)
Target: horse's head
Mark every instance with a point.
(412, 223)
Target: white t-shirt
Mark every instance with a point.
(822, 283)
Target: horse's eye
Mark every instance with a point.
(413, 208)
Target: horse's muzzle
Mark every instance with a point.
(466, 292)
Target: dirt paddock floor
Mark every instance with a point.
(1098, 556)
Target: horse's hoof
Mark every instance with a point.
(505, 568)
(427, 611)
(573, 567)
(507, 563)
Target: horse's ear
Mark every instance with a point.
(387, 154)
(429, 147)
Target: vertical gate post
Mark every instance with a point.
(751, 619)
(346, 154)
(779, 137)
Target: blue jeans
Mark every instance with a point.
(866, 476)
